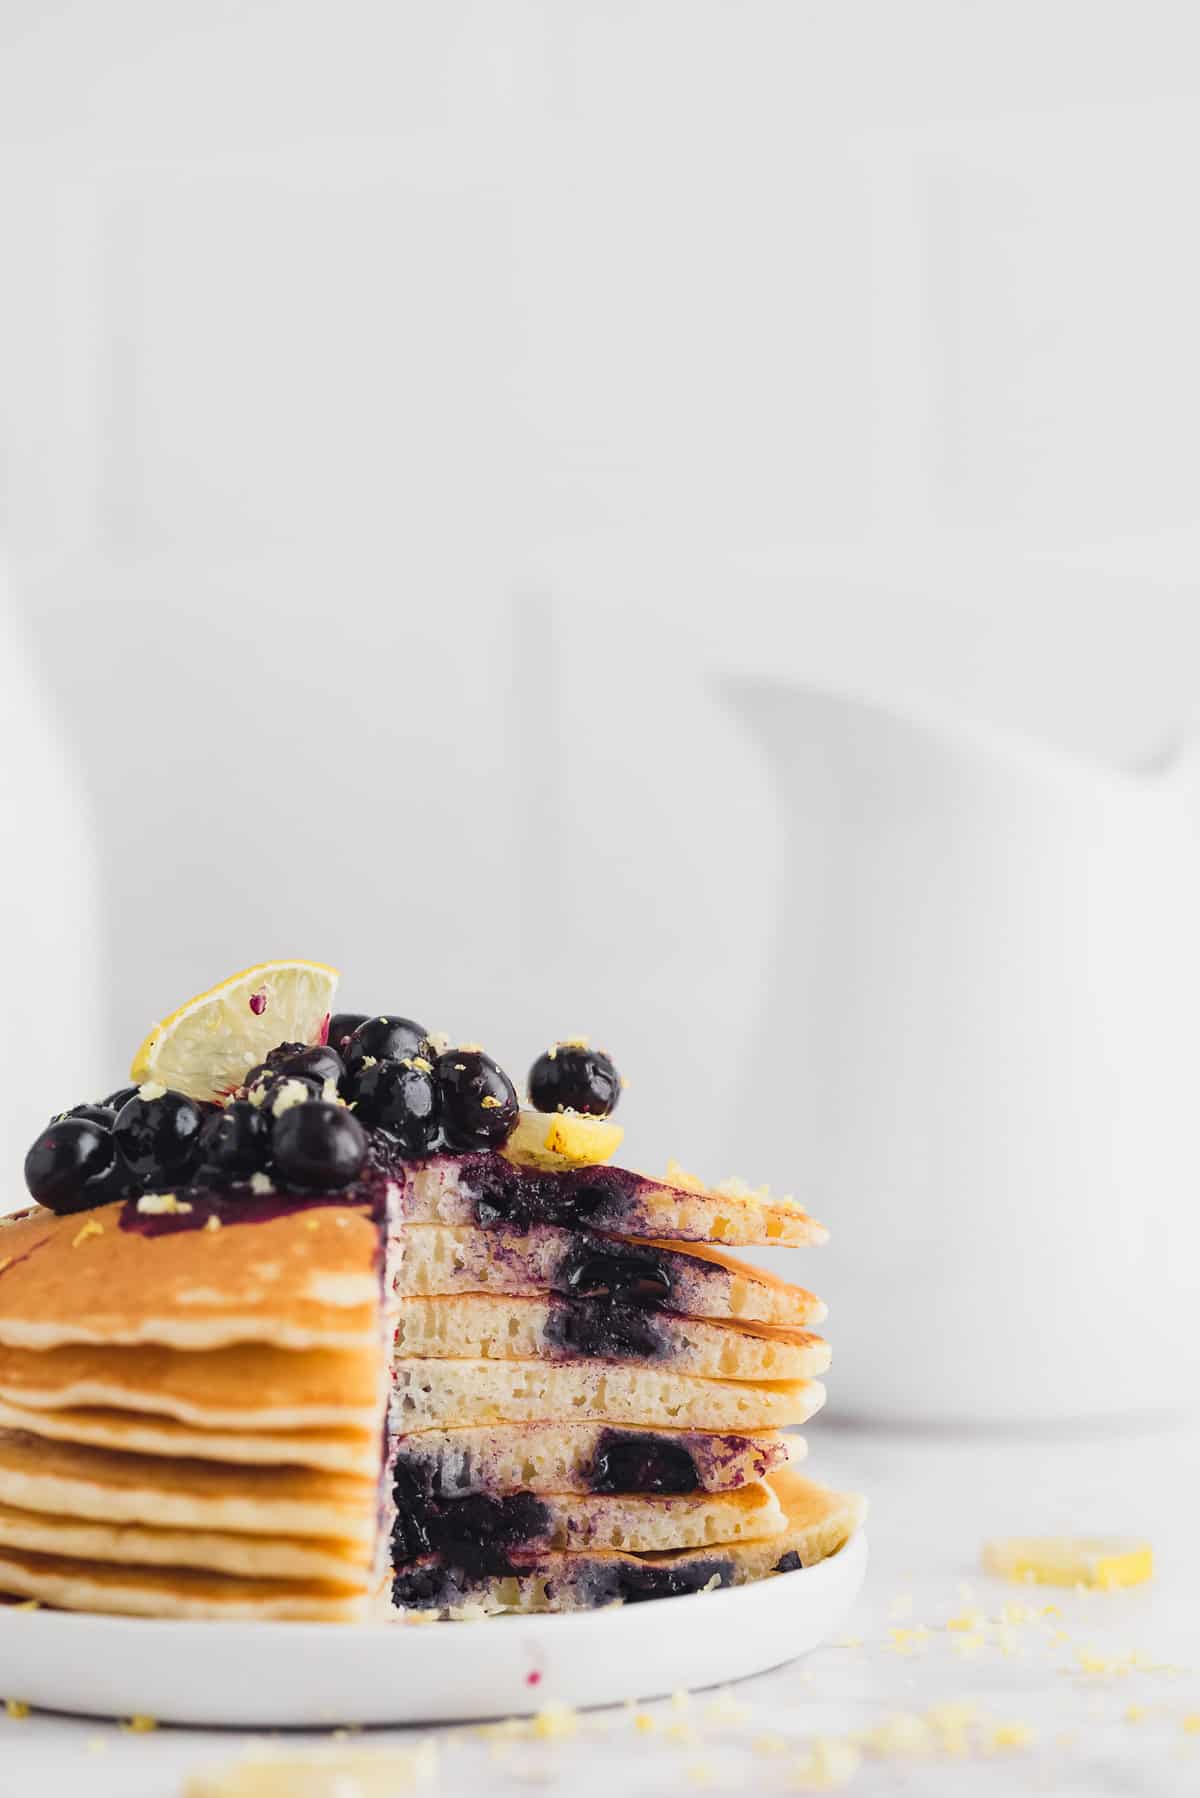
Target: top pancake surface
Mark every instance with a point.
(302, 1277)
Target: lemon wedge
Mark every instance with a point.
(1103, 1562)
(556, 1140)
(206, 1047)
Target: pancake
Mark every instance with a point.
(479, 1326)
(248, 1386)
(306, 1279)
(341, 1451)
(524, 1523)
(588, 1457)
(572, 1395)
(487, 1190)
(441, 1394)
(441, 1258)
(817, 1524)
(249, 1557)
(71, 1481)
(82, 1585)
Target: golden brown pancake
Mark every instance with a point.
(247, 1385)
(341, 1451)
(71, 1481)
(81, 1585)
(209, 1551)
(308, 1279)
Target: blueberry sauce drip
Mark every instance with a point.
(637, 1461)
(606, 1329)
(788, 1563)
(476, 1535)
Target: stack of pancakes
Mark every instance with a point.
(190, 1410)
(588, 1395)
(462, 1386)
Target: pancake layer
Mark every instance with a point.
(589, 1457)
(480, 1326)
(703, 1282)
(486, 1190)
(444, 1394)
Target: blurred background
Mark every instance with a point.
(421, 427)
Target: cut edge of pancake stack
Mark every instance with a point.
(582, 1415)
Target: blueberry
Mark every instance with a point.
(478, 1100)
(401, 1098)
(159, 1138)
(637, 1461)
(103, 1115)
(65, 1168)
(634, 1277)
(571, 1077)
(121, 1097)
(320, 1061)
(318, 1146)
(236, 1141)
(385, 1039)
(265, 1089)
(342, 1025)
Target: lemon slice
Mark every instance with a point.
(555, 1140)
(1104, 1562)
(207, 1046)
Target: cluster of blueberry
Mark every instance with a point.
(306, 1115)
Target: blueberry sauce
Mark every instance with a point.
(605, 1329)
(593, 1268)
(635, 1582)
(638, 1461)
(520, 1197)
(788, 1563)
(477, 1535)
(241, 1205)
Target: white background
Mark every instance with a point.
(411, 417)
(370, 374)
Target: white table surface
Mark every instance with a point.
(934, 1500)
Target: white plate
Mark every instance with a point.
(316, 1675)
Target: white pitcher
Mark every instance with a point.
(981, 1040)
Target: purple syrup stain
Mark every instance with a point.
(258, 1002)
(239, 1205)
